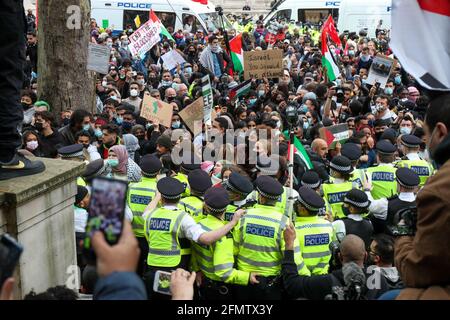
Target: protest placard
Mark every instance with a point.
(192, 116)
(156, 109)
(172, 58)
(380, 70)
(263, 63)
(207, 99)
(144, 38)
(98, 58)
(334, 134)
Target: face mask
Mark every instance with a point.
(170, 99)
(104, 84)
(119, 120)
(122, 76)
(109, 44)
(305, 125)
(113, 162)
(405, 130)
(364, 81)
(98, 133)
(126, 125)
(388, 91)
(252, 101)
(365, 58)
(38, 126)
(66, 121)
(378, 135)
(398, 79)
(290, 51)
(124, 43)
(176, 124)
(86, 127)
(86, 145)
(32, 145)
(379, 108)
(165, 83)
(351, 52)
(303, 108)
(141, 82)
(148, 126)
(134, 93)
(346, 210)
(370, 123)
(26, 106)
(114, 98)
(215, 48)
(261, 93)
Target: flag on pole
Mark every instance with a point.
(241, 89)
(137, 21)
(429, 21)
(300, 150)
(237, 54)
(163, 31)
(329, 30)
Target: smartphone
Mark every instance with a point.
(106, 212)
(161, 283)
(10, 251)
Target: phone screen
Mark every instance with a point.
(106, 210)
(10, 251)
(161, 283)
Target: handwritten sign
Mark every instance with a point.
(144, 38)
(265, 63)
(154, 109)
(98, 58)
(172, 58)
(192, 116)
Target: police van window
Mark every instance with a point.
(313, 15)
(190, 23)
(130, 15)
(284, 14)
(167, 19)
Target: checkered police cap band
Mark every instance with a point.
(409, 145)
(267, 170)
(307, 206)
(72, 155)
(312, 186)
(340, 168)
(357, 204)
(149, 175)
(404, 185)
(215, 210)
(97, 173)
(268, 196)
(171, 197)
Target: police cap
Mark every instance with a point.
(389, 134)
(94, 169)
(217, 200)
(407, 178)
(357, 198)
(351, 151)
(199, 181)
(385, 147)
(309, 199)
(341, 164)
(170, 188)
(72, 151)
(239, 184)
(150, 165)
(268, 187)
(410, 141)
(267, 165)
(311, 179)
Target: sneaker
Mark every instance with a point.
(19, 167)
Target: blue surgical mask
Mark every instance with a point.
(364, 81)
(148, 126)
(398, 79)
(119, 120)
(98, 133)
(405, 130)
(351, 52)
(388, 91)
(365, 57)
(305, 125)
(303, 108)
(252, 101)
(261, 93)
(113, 162)
(86, 127)
(176, 124)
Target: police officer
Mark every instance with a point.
(259, 243)
(356, 204)
(314, 233)
(383, 210)
(410, 145)
(353, 152)
(94, 169)
(168, 231)
(140, 194)
(73, 152)
(382, 176)
(216, 262)
(311, 179)
(182, 176)
(335, 190)
(198, 182)
(238, 188)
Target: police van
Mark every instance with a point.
(306, 11)
(355, 15)
(174, 14)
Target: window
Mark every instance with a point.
(130, 15)
(191, 23)
(213, 21)
(313, 15)
(284, 14)
(167, 19)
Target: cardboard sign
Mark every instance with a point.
(334, 134)
(144, 38)
(154, 109)
(208, 99)
(172, 58)
(193, 114)
(265, 63)
(98, 58)
(380, 69)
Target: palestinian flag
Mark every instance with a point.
(329, 30)
(241, 89)
(300, 150)
(237, 54)
(163, 30)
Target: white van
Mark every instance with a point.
(355, 15)
(174, 14)
(311, 11)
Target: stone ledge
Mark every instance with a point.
(57, 173)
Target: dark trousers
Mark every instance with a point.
(215, 290)
(142, 264)
(268, 288)
(12, 60)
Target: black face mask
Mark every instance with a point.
(346, 210)
(170, 99)
(38, 126)
(25, 106)
(66, 121)
(378, 135)
(192, 53)
(86, 145)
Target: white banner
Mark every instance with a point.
(172, 58)
(144, 38)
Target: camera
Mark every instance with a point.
(292, 113)
(339, 94)
(219, 10)
(404, 222)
